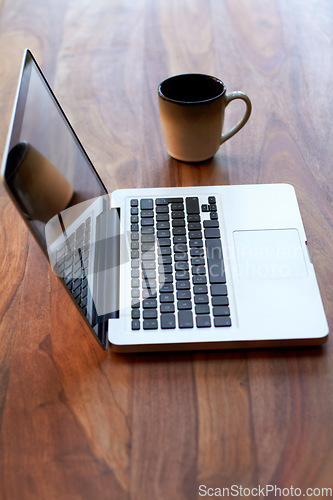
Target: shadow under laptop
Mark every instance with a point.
(225, 355)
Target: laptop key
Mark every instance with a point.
(184, 304)
(168, 320)
(180, 248)
(193, 218)
(165, 269)
(150, 314)
(147, 247)
(162, 217)
(220, 300)
(183, 285)
(195, 235)
(202, 309)
(180, 257)
(181, 266)
(197, 252)
(221, 311)
(149, 293)
(178, 222)
(146, 204)
(164, 250)
(201, 299)
(197, 261)
(185, 319)
(147, 214)
(162, 209)
(146, 238)
(164, 259)
(148, 274)
(212, 232)
(179, 239)
(222, 321)
(145, 222)
(166, 297)
(203, 321)
(177, 207)
(165, 278)
(196, 243)
(179, 231)
(135, 324)
(163, 233)
(194, 226)
(210, 223)
(147, 264)
(200, 289)
(218, 289)
(163, 225)
(182, 275)
(147, 230)
(199, 280)
(150, 324)
(178, 215)
(168, 307)
(198, 270)
(148, 256)
(151, 283)
(149, 303)
(164, 242)
(192, 205)
(184, 295)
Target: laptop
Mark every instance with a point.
(182, 268)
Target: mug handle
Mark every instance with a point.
(230, 97)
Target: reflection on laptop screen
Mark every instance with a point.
(60, 196)
(47, 170)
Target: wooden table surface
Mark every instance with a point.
(80, 423)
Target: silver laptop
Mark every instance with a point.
(206, 267)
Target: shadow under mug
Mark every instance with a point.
(192, 110)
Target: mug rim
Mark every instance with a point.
(186, 103)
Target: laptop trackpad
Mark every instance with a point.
(269, 254)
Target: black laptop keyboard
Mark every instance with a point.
(177, 269)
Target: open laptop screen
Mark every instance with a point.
(47, 170)
(53, 184)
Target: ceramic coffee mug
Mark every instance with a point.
(192, 114)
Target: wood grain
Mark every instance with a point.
(80, 423)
